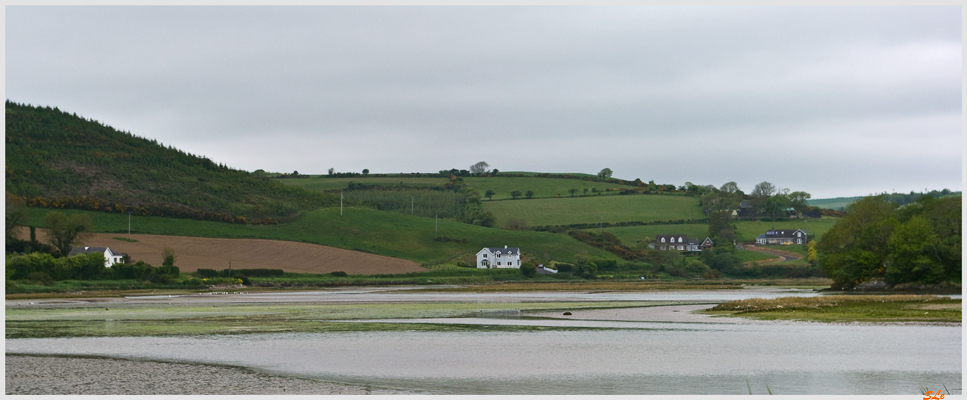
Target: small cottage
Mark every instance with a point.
(111, 257)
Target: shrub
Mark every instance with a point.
(339, 274)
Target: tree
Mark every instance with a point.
(16, 214)
(479, 168)
(720, 227)
(332, 171)
(64, 233)
(572, 191)
(585, 191)
(797, 200)
(515, 193)
(529, 194)
(168, 255)
(760, 195)
(490, 194)
(857, 246)
(365, 171)
(529, 270)
(605, 173)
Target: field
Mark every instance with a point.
(542, 187)
(833, 204)
(593, 209)
(361, 229)
(318, 183)
(194, 252)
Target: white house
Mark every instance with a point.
(111, 257)
(496, 257)
(783, 236)
(680, 243)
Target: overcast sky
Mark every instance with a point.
(835, 101)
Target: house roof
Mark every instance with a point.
(687, 240)
(782, 233)
(84, 250)
(501, 250)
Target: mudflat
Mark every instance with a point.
(33, 375)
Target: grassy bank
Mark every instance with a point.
(846, 308)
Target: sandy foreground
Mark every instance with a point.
(33, 375)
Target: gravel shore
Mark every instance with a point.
(38, 375)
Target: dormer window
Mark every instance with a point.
(663, 240)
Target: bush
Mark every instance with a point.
(339, 274)
(529, 270)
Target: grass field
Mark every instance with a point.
(542, 187)
(835, 203)
(384, 233)
(325, 183)
(749, 230)
(593, 209)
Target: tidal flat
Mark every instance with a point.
(388, 340)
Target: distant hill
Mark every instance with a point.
(840, 203)
(57, 159)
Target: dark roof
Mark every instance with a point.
(84, 250)
(504, 250)
(685, 237)
(782, 233)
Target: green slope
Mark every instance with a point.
(363, 229)
(593, 209)
(85, 164)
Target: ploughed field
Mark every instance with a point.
(192, 253)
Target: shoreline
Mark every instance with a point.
(27, 374)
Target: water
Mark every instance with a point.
(655, 350)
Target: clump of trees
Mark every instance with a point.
(45, 268)
(879, 240)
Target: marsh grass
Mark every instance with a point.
(591, 286)
(231, 318)
(838, 308)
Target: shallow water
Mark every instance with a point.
(652, 350)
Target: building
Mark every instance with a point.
(783, 236)
(496, 257)
(111, 257)
(680, 243)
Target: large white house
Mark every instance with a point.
(783, 236)
(680, 243)
(496, 257)
(111, 257)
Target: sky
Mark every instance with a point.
(833, 100)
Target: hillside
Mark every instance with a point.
(360, 229)
(54, 158)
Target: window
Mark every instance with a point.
(485, 255)
(663, 240)
(498, 262)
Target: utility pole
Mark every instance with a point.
(129, 224)
(340, 204)
(436, 228)
(601, 225)
(411, 205)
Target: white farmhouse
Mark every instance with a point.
(111, 257)
(496, 257)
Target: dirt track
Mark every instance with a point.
(192, 253)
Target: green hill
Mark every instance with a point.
(594, 209)
(57, 159)
(362, 229)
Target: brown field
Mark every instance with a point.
(192, 253)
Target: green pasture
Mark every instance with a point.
(629, 235)
(833, 204)
(592, 209)
(319, 183)
(542, 187)
(363, 229)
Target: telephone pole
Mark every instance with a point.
(340, 204)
